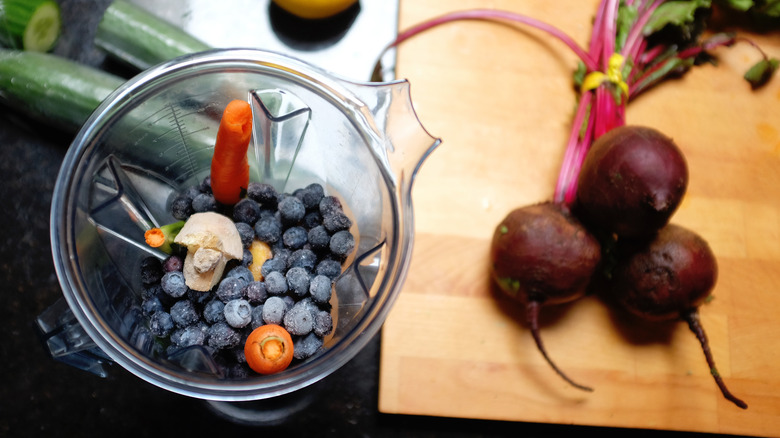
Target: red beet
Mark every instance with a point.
(540, 254)
(631, 182)
(668, 278)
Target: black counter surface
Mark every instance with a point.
(43, 397)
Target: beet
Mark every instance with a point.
(540, 254)
(631, 182)
(667, 278)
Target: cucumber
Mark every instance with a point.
(30, 24)
(135, 36)
(53, 90)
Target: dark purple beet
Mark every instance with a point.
(668, 278)
(631, 182)
(540, 254)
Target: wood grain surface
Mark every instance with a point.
(501, 98)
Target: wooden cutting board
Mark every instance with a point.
(501, 99)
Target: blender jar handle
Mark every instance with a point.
(67, 341)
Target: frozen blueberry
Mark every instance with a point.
(255, 292)
(204, 202)
(298, 281)
(319, 238)
(312, 220)
(274, 309)
(265, 194)
(173, 284)
(155, 290)
(273, 265)
(246, 232)
(330, 205)
(268, 229)
(240, 357)
(198, 297)
(183, 313)
(181, 207)
(161, 324)
(282, 253)
(311, 196)
(151, 270)
(295, 237)
(191, 192)
(248, 258)
(221, 335)
(299, 320)
(275, 283)
(329, 268)
(151, 305)
(291, 210)
(152, 290)
(173, 263)
(336, 221)
(205, 185)
(238, 313)
(246, 210)
(213, 311)
(306, 346)
(323, 323)
(188, 336)
(288, 301)
(342, 243)
(231, 288)
(257, 317)
(241, 272)
(320, 289)
(304, 258)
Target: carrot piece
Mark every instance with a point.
(163, 236)
(269, 349)
(154, 237)
(230, 165)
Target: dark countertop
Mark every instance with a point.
(42, 397)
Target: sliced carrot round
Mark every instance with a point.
(269, 349)
(154, 237)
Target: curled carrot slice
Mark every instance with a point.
(229, 165)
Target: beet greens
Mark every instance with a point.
(634, 45)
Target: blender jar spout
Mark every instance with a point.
(406, 141)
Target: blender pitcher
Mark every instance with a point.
(154, 137)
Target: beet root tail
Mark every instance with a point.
(692, 318)
(532, 313)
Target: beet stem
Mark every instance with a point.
(692, 318)
(532, 313)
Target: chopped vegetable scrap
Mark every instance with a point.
(163, 236)
(33, 25)
(229, 165)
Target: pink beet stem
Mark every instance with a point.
(492, 14)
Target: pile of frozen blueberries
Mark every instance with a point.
(309, 234)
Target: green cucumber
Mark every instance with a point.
(30, 24)
(135, 36)
(51, 89)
